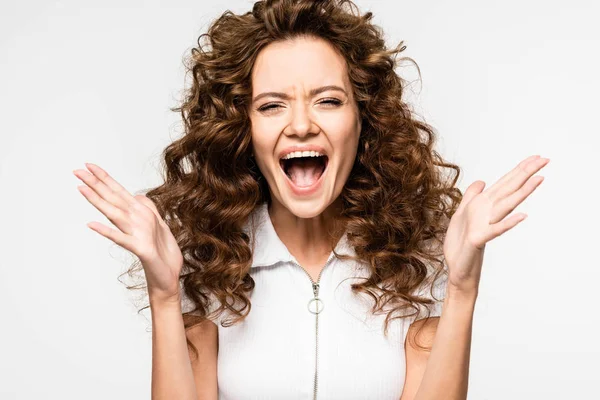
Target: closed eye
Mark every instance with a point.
(272, 106)
(331, 101)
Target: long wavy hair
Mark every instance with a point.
(397, 201)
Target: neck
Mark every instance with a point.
(311, 238)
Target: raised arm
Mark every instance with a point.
(140, 229)
(481, 216)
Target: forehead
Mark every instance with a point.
(301, 61)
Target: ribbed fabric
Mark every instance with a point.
(271, 354)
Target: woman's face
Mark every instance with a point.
(290, 115)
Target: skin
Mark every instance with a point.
(329, 119)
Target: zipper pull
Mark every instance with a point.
(318, 303)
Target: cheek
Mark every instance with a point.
(348, 146)
(261, 138)
(346, 139)
(263, 147)
(343, 128)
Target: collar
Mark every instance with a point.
(268, 248)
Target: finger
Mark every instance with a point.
(505, 225)
(113, 234)
(474, 189)
(114, 214)
(111, 183)
(508, 204)
(509, 175)
(517, 179)
(101, 188)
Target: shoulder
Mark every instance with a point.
(417, 349)
(421, 332)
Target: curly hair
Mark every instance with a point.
(396, 203)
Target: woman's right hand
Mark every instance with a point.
(142, 231)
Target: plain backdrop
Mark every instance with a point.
(84, 81)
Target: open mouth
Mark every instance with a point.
(304, 172)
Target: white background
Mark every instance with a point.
(84, 81)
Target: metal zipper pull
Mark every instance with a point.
(315, 305)
(316, 289)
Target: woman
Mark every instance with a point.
(307, 203)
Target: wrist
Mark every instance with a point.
(462, 295)
(161, 301)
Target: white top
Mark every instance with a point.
(273, 353)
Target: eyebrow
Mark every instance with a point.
(312, 93)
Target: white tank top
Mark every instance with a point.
(293, 346)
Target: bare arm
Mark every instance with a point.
(443, 373)
(205, 336)
(176, 373)
(172, 375)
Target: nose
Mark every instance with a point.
(301, 123)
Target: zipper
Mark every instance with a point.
(315, 306)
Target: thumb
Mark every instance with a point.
(473, 190)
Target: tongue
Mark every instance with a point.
(305, 171)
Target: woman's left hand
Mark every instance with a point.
(480, 218)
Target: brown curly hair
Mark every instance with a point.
(396, 204)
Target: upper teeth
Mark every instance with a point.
(295, 154)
